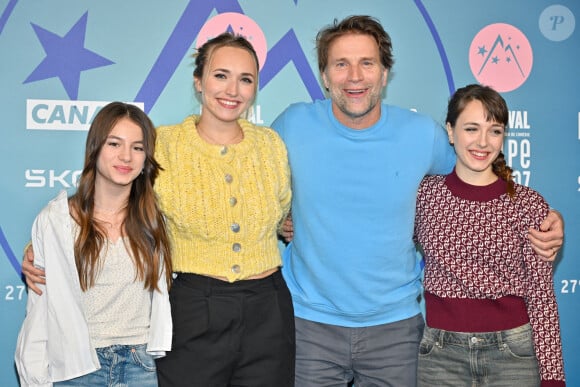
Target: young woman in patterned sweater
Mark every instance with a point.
(491, 311)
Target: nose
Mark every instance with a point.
(482, 139)
(354, 73)
(125, 153)
(232, 88)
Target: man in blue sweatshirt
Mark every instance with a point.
(352, 267)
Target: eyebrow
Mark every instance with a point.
(112, 136)
(346, 59)
(478, 124)
(229, 72)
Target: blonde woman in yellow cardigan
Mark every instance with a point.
(224, 188)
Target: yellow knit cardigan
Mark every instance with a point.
(223, 204)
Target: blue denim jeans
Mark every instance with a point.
(121, 365)
(504, 358)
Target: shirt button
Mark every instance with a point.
(233, 201)
(474, 340)
(224, 150)
(235, 227)
(236, 269)
(236, 247)
(228, 178)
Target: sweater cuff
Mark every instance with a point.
(553, 383)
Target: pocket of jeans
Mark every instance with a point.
(521, 349)
(143, 359)
(426, 347)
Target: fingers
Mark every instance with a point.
(546, 243)
(32, 281)
(287, 230)
(33, 275)
(553, 222)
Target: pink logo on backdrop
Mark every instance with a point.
(237, 24)
(500, 56)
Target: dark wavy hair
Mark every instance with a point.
(144, 224)
(495, 110)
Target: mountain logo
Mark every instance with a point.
(500, 56)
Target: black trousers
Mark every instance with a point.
(230, 334)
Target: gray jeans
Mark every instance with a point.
(504, 358)
(379, 356)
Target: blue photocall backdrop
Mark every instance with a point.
(61, 60)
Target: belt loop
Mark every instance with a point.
(441, 338)
(500, 344)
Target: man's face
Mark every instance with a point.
(355, 78)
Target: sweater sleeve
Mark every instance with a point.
(443, 153)
(540, 295)
(31, 355)
(285, 192)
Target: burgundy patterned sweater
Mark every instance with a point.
(481, 274)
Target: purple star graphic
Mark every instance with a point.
(66, 57)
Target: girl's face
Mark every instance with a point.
(228, 85)
(122, 156)
(477, 144)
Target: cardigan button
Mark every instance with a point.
(224, 150)
(236, 269)
(228, 178)
(236, 247)
(235, 227)
(233, 201)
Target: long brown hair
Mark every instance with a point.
(495, 110)
(144, 224)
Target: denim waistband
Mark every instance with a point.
(118, 348)
(477, 339)
(212, 285)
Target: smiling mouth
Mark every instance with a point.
(479, 155)
(229, 104)
(124, 169)
(355, 92)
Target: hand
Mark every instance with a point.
(287, 229)
(33, 274)
(547, 241)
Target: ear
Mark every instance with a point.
(385, 77)
(324, 80)
(197, 84)
(449, 132)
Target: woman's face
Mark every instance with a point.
(122, 156)
(477, 143)
(228, 84)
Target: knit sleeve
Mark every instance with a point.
(284, 193)
(164, 145)
(419, 209)
(540, 296)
